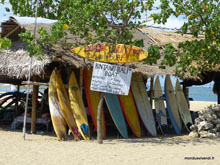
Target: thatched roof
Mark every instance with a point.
(163, 37)
(16, 60)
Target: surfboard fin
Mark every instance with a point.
(84, 128)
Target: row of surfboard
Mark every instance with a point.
(68, 108)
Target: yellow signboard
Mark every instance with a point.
(118, 53)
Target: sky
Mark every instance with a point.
(171, 23)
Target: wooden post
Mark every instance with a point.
(34, 107)
(186, 94)
(16, 104)
(81, 81)
(99, 119)
(218, 93)
(151, 90)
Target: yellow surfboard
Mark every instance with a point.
(130, 111)
(66, 107)
(92, 100)
(58, 121)
(118, 53)
(78, 107)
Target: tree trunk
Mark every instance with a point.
(99, 119)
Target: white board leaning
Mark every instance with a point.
(109, 78)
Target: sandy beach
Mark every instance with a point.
(40, 149)
(46, 149)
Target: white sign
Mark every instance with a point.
(109, 78)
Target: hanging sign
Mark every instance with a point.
(118, 53)
(109, 78)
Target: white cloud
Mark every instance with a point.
(171, 23)
(4, 15)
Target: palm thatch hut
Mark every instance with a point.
(15, 62)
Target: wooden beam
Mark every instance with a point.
(34, 107)
(34, 83)
(8, 34)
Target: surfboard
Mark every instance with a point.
(65, 106)
(183, 106)
(143, 105)
(115, 110)
(92, 99)
(57, 117)
(78, 107)
(172, 106)
(160, 107)
(130, 112)
(118, 53)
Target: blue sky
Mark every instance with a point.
(3, 14)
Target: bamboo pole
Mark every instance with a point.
(29, 75)
(99, 119)
(34, 107)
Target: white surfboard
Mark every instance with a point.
(143, 104)
(161, 115)
(183, 106)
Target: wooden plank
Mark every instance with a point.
(34, 83)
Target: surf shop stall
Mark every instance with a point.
(90, 93)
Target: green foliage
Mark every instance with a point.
(34, 48)
(91, 21)
(113, 21)
(5, 43)
(153, 55)
(203, 19)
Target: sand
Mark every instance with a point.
(47, 150)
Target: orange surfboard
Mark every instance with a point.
(130, 111)
(92, 99)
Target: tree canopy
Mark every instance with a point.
(5, 43)
(113, 21)
(203, 19)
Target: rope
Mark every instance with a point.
(29, 75)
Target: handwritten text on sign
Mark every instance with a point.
(109, 78)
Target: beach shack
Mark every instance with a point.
(15, 62)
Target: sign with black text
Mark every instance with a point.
(109, 78)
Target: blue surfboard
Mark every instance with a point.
(116, 113)
(172, 106)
